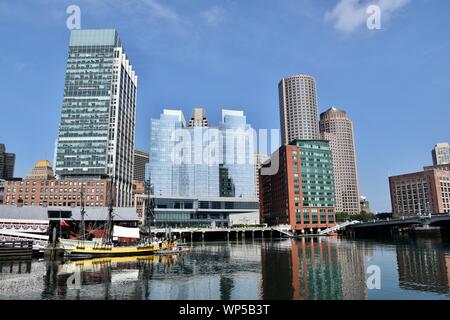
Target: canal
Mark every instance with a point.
(325, 268)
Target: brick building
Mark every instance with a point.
(52, 192)
(301, 192)
(423, 193)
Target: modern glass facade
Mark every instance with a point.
(237, 171)
(96, 132)
(201, 161)
(179, 162)
(162, 170)
(301, 192)
(317, 174)
(200, 212)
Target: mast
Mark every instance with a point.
(149, 209)
(83, 212)
(109, 224)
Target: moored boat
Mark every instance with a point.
(93, 249)
(106, 247)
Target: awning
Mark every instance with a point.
(123, 232)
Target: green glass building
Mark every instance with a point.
(318, 196)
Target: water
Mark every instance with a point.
(326, 268)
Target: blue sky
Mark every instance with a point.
(393, 82)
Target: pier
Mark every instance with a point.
(195, 234)
(16, 249)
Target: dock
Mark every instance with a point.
(227, 233)
(16, 249)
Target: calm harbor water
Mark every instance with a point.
(326, 268)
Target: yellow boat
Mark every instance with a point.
(92, 249)
(105, 248)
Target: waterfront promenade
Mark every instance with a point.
(227, 233)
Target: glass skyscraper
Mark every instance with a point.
(202, 161)
(97, 128)
(180, 164)
(237, 172)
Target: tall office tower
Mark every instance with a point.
(260, 158)
(237, 171)
(298, 108)
(198, 118)
(336, 127)
(141, 159)
(97, 129)
(441, 154)
(163, 172)
(7, 162)
(179, 161)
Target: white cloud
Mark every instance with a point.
(213, 15)
(349, 15)
(161, 11)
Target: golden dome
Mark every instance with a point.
(43, 164)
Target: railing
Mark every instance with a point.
(16, 244)
(24, 227)
(338, 227)
(38, 243)
(284, 230)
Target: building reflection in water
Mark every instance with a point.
(424, 266)
(18, 275)
(15, 267)
(94, 278)
(223, 271)
(313, 269)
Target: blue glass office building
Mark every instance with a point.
(237, 163)
(204, 163)
(180, 164)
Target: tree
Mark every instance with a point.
(363, 216)
(342, 216)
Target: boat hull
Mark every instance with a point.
(90, 250)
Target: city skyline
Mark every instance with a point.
(384, 109)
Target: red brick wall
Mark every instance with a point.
(42, 192)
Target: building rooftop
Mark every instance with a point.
(43, 164)
(41, 213)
